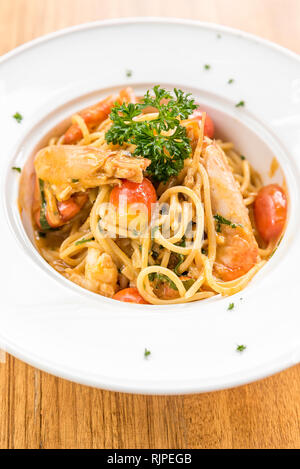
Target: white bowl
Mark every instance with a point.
(59, 327)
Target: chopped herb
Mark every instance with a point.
(162, 140)
(161, 278)
(230, 81)
(147, 353)
(75, 180)
(273, 252)
(181, 243)
(207, 67)
(181, 259)
(129, 73)
(18, 117)
(223, 221)
(243, 157)
(42, 234)
(230, 307)
(241, 348)
(16, 168)
(83, 240)
(43, 218)
(240, 104)
(188, 283)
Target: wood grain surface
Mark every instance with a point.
(40, 411)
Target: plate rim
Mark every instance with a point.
(145, 19)
(185, 387)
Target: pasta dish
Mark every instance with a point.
(140, 201)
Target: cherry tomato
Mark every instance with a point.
(209, 127)
(69, 208)
(270, 211)
(130, 295)
(135, 193)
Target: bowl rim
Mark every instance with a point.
(250, 375)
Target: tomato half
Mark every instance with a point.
(209, 127)
(130, 295)
(134, 193)
(270, 212)
(69, 208)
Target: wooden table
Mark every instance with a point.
(40, 411)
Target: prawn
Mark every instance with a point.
(237, 251)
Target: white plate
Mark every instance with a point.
(61, 328)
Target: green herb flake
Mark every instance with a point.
(207, 67)
(188, 283)
(83, 240)
(147, 353)
(223, 221)
(16, 168)
(129, 73)
(166, 152)
(43, 217)
(74, 181)
(161, 278)
(18, 117)
(230, 307)
(240, 104)
(242, 157)
(181, 259)
(230, 81)
(241, 348)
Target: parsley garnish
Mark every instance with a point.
(207, 67)
(83, 240)
(166, 152)
(16, 168)
(242, 157)
(223, 221)
(74, 180)
(147, 353)
(230, 307)
(230, 81)
(129, 73)
(240, 104)
(18, 117)
(241, 348)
